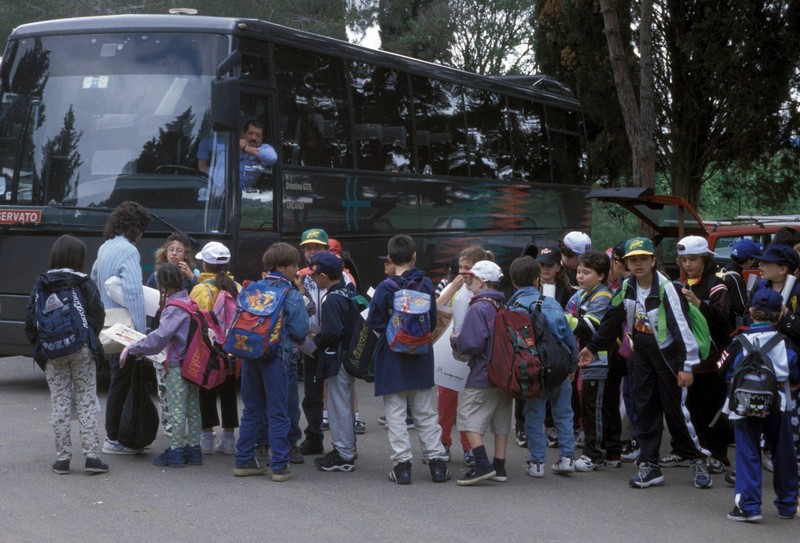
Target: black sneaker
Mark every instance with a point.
(401, 473)
(61, 467)
(439, 470)
(295, 456)
(730, 477)
(522, 439)
(648, 475)
(312, 445)
(333, 462)
(476, 475)
(95, 465)
(251, 467)
(740, 516)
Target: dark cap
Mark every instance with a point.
(766, 299)
(745, 249)
(549, 255)
(323, 262)
(783, 255)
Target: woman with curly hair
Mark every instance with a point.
(118, 256)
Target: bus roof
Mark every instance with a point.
(520, 86)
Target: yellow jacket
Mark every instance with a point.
(205, 292)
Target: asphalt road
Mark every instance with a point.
(139, 502)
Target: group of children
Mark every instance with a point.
(621, 312)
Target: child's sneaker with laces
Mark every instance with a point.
(172, 458)
(586, 464)
(535, 469)
(476, 475)
(673, 460)
(251, 467)
(193, 455)
(61, 467)
(283, 474)
(334, 462)
(648, 475)
(115, 447)
(564, 466)
(440, 473)
(701, 477)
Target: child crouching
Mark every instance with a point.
(183, 397)
(482, 406)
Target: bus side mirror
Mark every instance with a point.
(225, 105)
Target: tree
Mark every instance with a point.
(416, 28)
(722, 79)
(570, 46)
(493, 36)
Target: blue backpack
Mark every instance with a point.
(257, 326)
(61, 323)
(409, 328)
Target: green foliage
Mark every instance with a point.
(416, 28)
(611, 223)
(768, 188)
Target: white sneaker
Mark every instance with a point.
(226, 446)
(585, 464)
(564, 466)
(535, 469)
(207, 442)
(766, 462)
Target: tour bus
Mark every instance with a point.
(101, 110)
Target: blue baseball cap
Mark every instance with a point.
(323, 262)
(745, 249)
(766, 299)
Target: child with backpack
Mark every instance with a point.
(665, 351)
(525, 277)
(767, 354)
(214, 280)
(406, 377)
(64, 317)
(599, 402)
(482, 406)
(265, 379)
(705, 290)
(743, 254)
(326, 270)
(183, 397)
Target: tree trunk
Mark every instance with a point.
(639, 117)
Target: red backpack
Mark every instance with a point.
(205, 363)
(515, 365)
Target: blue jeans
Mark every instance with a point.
(295, 433)
(265, 392)
(561, 406)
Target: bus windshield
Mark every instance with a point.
(93, 120)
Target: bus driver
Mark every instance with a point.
(254, 155)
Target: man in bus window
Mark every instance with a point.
(254, 155)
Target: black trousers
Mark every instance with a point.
(656, 397)
(602, 425)
(705, 399)
(227, 403)
(117, 392)
(312, 397)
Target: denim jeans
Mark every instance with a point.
(535, 408)
(265, 391)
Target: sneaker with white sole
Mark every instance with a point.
(612, 463)
(469, 458)
(115, 447)
(585, 464)
(207, 442)
(535, 469)
(564, 466)
(766, 462)
(648, 475)
(673, 460)
(522, 439)
(552, 437)
(701, 477)
(715, 465)
(630, 456)
(226, 445)
(740, 516)
(580, 438)
(476, 475)
(334, 462)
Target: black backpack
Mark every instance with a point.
(754, 387)
(358, 347)
(62, 326)
(555, 356)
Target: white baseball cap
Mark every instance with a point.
(578, 242)
(694, 245)
(214, 253)
(486, 270)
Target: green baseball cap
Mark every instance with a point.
(638, 246)
(314, 235)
